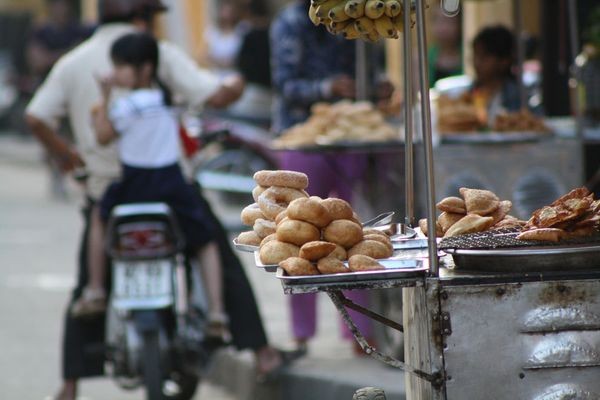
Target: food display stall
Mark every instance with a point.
(493, 306)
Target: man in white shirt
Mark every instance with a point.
(71, 90)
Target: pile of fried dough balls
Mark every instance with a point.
(476, 210)
(307, 235)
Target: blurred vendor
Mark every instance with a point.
(495, 89)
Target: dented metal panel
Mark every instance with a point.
(530, 340)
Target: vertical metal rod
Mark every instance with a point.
(518, 21)
(574, 38)
(409, 200)
(361, 70)
(427, 140)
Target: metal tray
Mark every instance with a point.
(344, 146)
(526, 259)
(244, 247)
(394, 269)
(495, 137)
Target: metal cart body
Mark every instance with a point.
(537, 336)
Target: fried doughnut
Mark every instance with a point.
(249, 238)
(331, 265)
(298, 266)
(268, 239)
(309, 210)
(280, 216)
(370, 248)
(297, 232)
(361, 262)
(274, 252)
(381, 239)
(289, 179)
(263, 228)
(316, 250)
(276, 199)
(250, 214)
(257, 191)
(339, 253)
(344, 232)
(338, 208)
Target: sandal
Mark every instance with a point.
(287, 358)
(217, 329)
(91, 302)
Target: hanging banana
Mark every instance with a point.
(355, 8)
(374, 8)
(324, 8)
(392, 8)
(338, 14)
(385, 28)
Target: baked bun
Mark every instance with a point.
(338, 208)
(297, 232)
(343, 232)
(274, 252)
(370, 248)
(309, 210)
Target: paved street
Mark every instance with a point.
(38, 241)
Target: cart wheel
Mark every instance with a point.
(369, 393)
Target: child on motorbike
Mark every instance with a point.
(146, 131)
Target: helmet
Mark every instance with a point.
(111, 10)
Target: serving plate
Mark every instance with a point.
(394, 269)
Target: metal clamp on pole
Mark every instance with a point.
(338, 300)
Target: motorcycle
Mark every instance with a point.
(155, 328)
(225, 154)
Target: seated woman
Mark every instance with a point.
(495, 89)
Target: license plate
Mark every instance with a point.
(141, 280)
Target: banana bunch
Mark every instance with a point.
(359, 19)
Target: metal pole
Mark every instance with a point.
(361, 71)
(427, 140)
(573, 36)
(518, 20)
(409, 217)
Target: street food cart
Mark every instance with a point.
(485, 315)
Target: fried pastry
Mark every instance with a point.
(296, 266)
(447, 219)
(502, 211)
(468, 224)
(452, 205)
(331, 265)
(478, 201)
(361, 262)
(542, 234)
(438, 229)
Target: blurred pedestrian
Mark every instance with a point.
(71, 90)
(310, 65)
(48, 41)
(253, 63)
(445, 52)
(223, 38)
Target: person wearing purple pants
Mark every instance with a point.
(329, 175)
